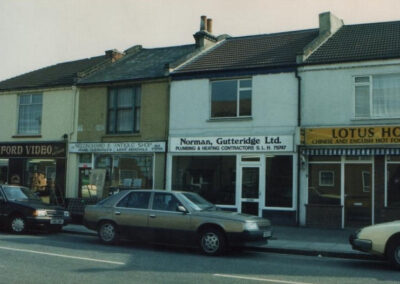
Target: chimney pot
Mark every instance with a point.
(209, 25)
(203, 23)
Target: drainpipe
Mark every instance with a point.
(297, 146)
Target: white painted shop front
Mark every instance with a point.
(248, 174)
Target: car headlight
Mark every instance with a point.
(40, 213)
(66, 214)
(250, 226)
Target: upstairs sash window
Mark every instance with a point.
(29, 114)
(124, 110)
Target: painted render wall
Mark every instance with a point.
(57, 115)
(328, 101)
(274, 108)
(92, 119)
(328, 93)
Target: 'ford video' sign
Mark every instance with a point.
(280, 143)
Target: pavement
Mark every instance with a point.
(290, 240)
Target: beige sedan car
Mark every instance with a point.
(180, 218)
(380, 239)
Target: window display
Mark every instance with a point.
(126, 170)
(213, 177)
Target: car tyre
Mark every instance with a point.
(108, 232)
(393, 253)
(212, 241)
(17, 224)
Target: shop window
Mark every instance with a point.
(41, 178)
(358, 158)
(139, 200)
(124, 110)
(326, 178)
(3, 171)
(29, 114)
(231, 98)
(279, 181)
(324, 184)
(393, 185)
(213, 177)
(85, 158)
(377, 96)
(127, 170)
(393, 158)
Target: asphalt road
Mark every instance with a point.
(68, 258)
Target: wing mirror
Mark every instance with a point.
(182, 209)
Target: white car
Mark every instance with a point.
(380, 239)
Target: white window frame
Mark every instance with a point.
(237, 98)
(320, 183)
(370, 84)
(39, 130)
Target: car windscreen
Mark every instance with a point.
(196, 201)
(19, 193)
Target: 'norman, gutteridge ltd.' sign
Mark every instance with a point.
(282, 143)
(352, 135)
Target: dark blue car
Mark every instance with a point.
(21, 210)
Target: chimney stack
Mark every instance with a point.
(114, 54)
(329, 23)
(204, 36)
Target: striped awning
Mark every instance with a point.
(350, 151)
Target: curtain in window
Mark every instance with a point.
(386, 95)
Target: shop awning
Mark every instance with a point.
(350, 151)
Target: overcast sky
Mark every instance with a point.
(39, 33)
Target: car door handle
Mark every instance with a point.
(117, 213)
(152, 216)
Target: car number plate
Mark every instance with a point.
(266, 234)
(56, 221)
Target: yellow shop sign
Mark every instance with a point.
(351, 135)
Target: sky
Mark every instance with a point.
(39, 33)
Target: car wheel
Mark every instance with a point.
(393, 253)
(17, 224)
(212, 242)
(108, 233)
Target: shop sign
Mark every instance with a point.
(282, 143)
(32, 150)
(373, 135)
(123, 147)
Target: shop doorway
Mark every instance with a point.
(358, 195)
(250, 190)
